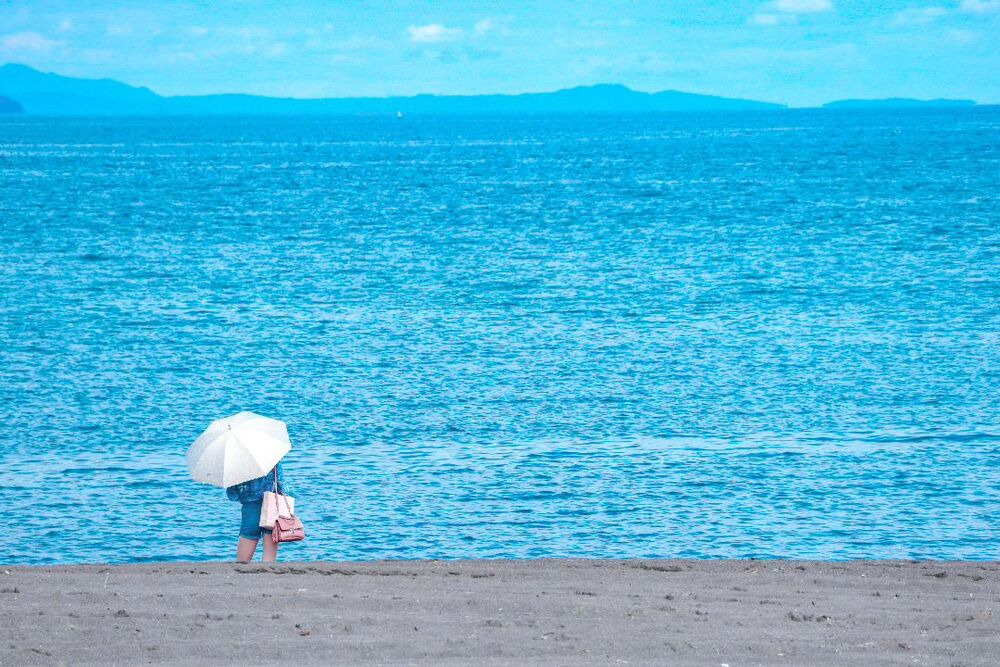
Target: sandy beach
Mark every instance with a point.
(504, 612)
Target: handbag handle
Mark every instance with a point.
(280, 495)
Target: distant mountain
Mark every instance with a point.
(899, 103)
(47, 93)
(41, 92)
(8, 105)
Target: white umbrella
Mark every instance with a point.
(238, 448)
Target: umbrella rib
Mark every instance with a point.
(249, 451)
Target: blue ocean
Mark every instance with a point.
(768, 334)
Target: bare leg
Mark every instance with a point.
(245, 550)
(270, 549)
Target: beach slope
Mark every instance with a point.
(504, 612)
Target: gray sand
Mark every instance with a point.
(504, 612)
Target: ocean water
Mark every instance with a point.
(735, 335)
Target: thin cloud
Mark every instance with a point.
(483, 27)
(29, 41)
(247, 33)
(979, 6)
(836, 56)
(434, 33)
(765, 19)
(360, 43)
(802, 6)
(491, 26)
(918, 16)
(786, 12)
(278, 50)
(960, 36)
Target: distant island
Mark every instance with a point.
(48, 93)
(8, 105)
(899, 103)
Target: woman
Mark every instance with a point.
(251, 494)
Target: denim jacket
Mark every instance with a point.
(253, 490)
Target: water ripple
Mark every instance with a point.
(727, 336)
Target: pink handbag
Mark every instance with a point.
(287, 527)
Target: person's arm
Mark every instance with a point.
(282, 486)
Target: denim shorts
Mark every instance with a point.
(250, 523)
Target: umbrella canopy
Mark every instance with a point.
(237, 449)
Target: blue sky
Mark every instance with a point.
(800, 52)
